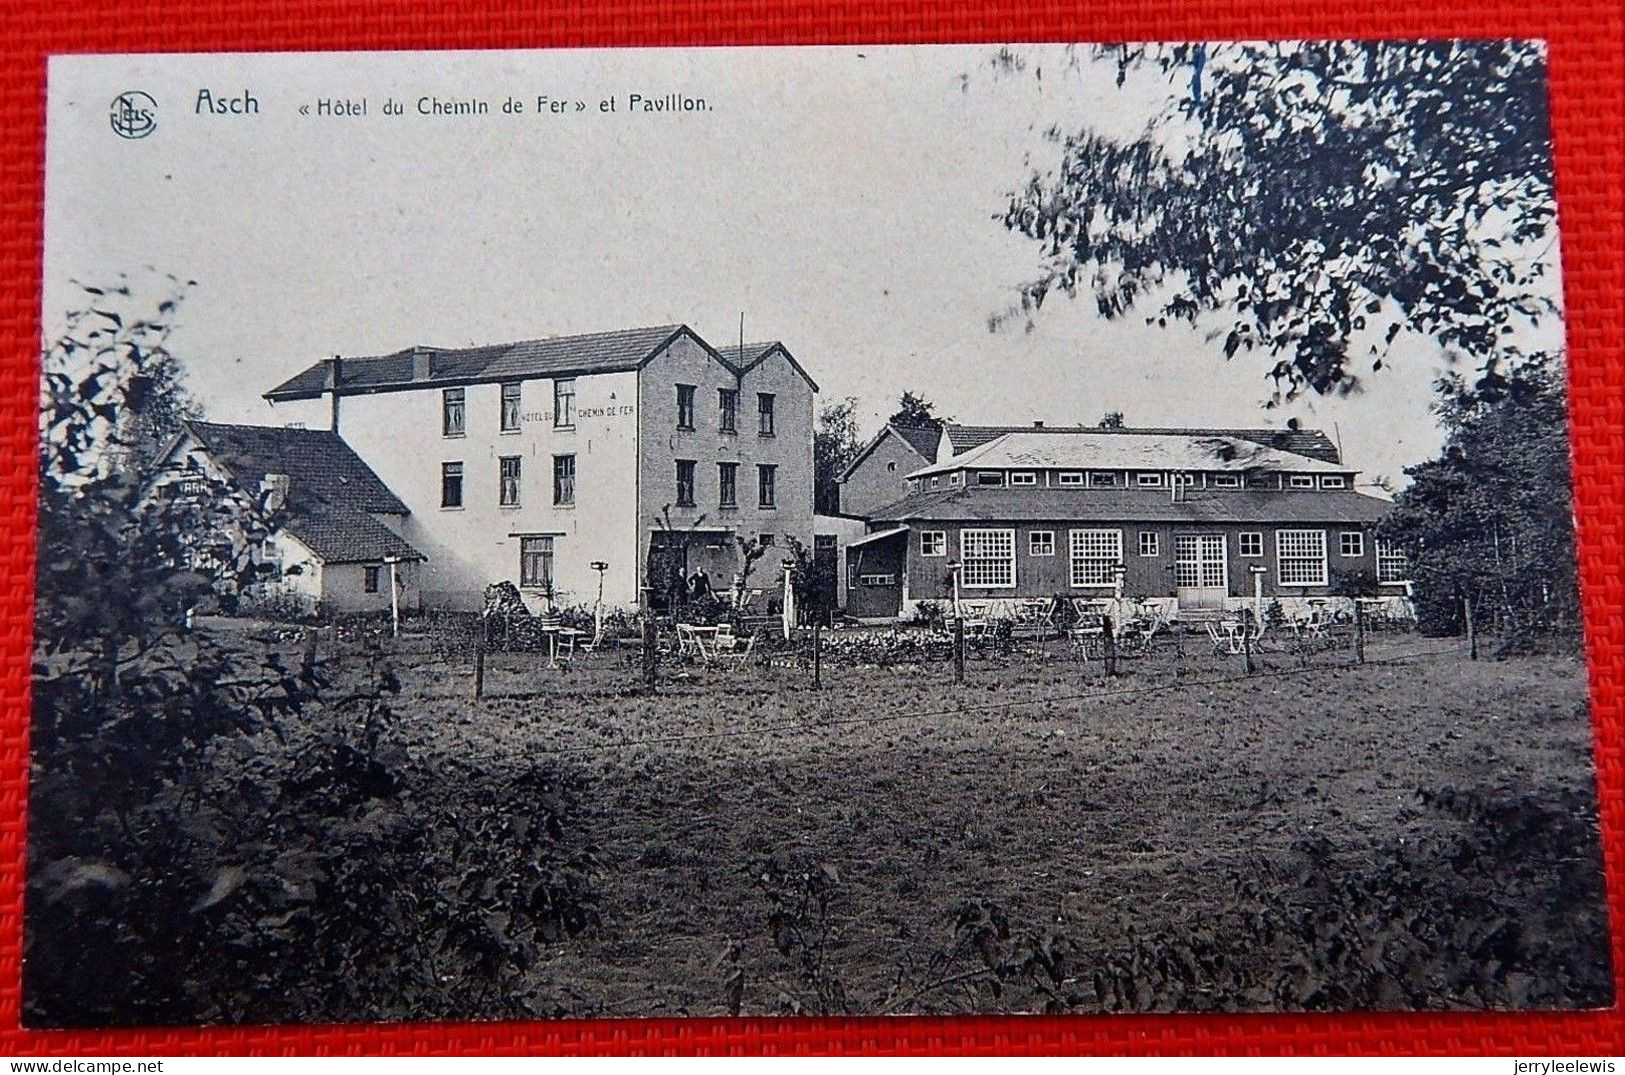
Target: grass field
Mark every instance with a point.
(1416, 832)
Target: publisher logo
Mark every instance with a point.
(134, 115)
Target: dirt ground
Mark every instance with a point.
(1106, 812)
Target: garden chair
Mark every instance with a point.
(736, 654)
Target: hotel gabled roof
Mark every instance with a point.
(616, 351)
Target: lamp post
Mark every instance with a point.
(953, 574)
(1257, 572)
(394, 598)
(789, 616)
(599, 566)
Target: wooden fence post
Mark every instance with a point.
(959, 649)
(818, 677)
(309, 639)
(1108, 642)
(479, 664)
(651, 657)
(1359, 633)
(1472, 630)
(1247, 643)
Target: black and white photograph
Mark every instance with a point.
(899, 530)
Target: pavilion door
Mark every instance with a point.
(1199, 570)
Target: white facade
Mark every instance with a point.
(626, 439)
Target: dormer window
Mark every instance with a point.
(990, 477)
(1102, 479)
(1148, 481)
(1023, 477)
(1301, 481)
(1069, 477)
(1226, 481)
(1334, 481)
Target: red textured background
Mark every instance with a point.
(1588, 103)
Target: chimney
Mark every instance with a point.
(335, 374)
(274, 490)
(1037, 424)
(420, 364)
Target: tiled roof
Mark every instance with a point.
(922, 439)
(1311, 442)
(593, 352)
(332, 494)
(350, 537)
(915, 437)
(1083, 449)
(1262, 506)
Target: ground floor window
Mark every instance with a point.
(1041, 543)
(1302, 556)
(1351, 543)
(1150, 544)
(1252, 543)
(989, 557)
(369, 578)
(1392, 565)
(933, 543)
(1094, 556)
(536, 562)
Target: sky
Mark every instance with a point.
(842, 200)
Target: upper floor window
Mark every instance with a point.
(1102, 479)
(451, 485)
(1226, 481)
(1023, 477)
(767, 480)
(511, 395)
(728, 410)
(1301, 481)
(990, 477)
(1069, 477)
(452, 412)
(728, 485)
(508, 484)
(685, 483)
(685, 406)
(1148, 480)
(564, 403)
(764, 413)
(564, 479)
(1334, 481)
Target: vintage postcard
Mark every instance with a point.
(825, 531)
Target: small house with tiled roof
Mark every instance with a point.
(616, 463)
(878, 473)
(338, 543)
(1191, 519)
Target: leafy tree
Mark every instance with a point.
(1490, 521)
(918, 412)
(216, 833)
(1322, 198)
(835, 445)
(1110, 420)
